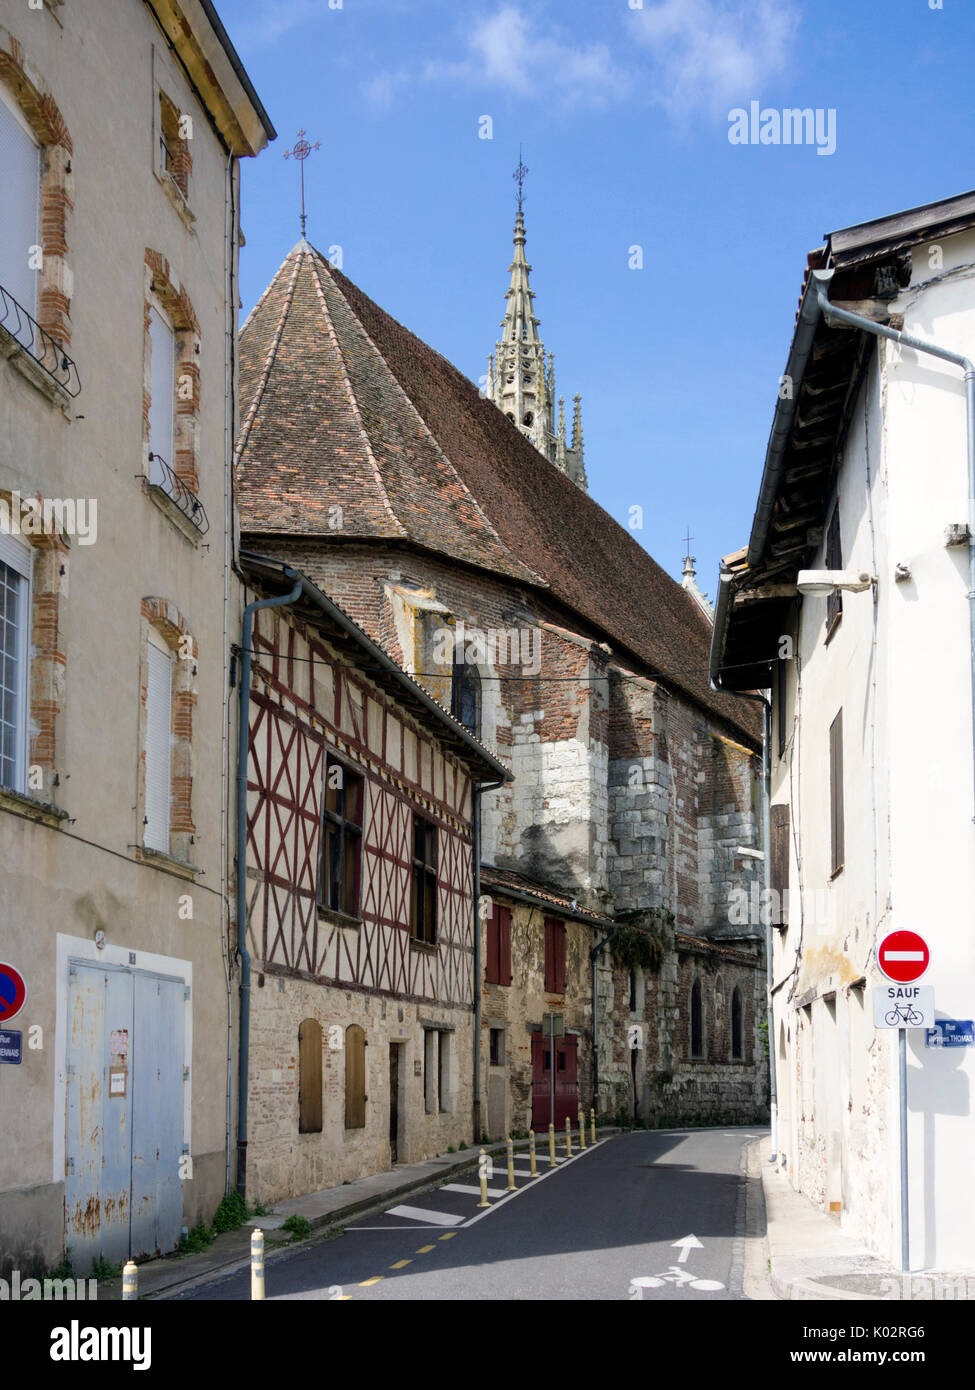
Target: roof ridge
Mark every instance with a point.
(353, 403)
(271, 352)
(537, 578)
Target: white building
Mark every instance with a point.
(871, 747)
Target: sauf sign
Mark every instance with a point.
(903, 956)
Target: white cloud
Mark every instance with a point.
(269, 20)
(708, 53)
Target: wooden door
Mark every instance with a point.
(566, 1081)
(394, 1102)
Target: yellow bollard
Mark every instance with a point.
(130, 1280)
(568, 1137)
(582, 1129)
(531, 1152)
(511, 1167)
(482, 1166)
(592, 1123)
(257, 1263)
(551, 1145)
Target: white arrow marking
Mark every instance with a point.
(687, 1244)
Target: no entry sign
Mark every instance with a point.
(13, 992)
(903, 956)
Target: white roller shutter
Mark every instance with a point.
(20, 180)
(163, 402)
(159, 708)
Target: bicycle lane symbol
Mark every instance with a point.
(680, 1278)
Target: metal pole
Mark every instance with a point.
(905, 1216)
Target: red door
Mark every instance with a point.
(566, 1081)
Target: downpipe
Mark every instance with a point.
(478, 789)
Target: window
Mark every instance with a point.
(781, 701)
(174, 153)
(836, 794)
(355, 1077)
(310, 1077)
(430, 1077)
(423, 918)
(498, 963)
(554, 956)
(496, 1047)
(737, 1049)
(341, 846)
(632, 990)
(443, 1071)
(158, 746)
(779, 866)
(162, 401)
(834, 561)
(697, 1020)
(20, 179)
(465, 696)
(15, 607)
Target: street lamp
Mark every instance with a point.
(820, 583)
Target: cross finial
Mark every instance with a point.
(687, 543)
(519, 178)
(301, 150)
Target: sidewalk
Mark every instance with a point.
(811, 1257)
(332, 1207)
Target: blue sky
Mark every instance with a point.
(623, 110)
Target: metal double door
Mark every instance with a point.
(124, 1125)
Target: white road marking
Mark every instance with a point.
(473, 1191)
(686, 1244)
(438, 1218)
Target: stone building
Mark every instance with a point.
(122, 128)
(372, 464)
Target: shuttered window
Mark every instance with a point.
(554, 956)
(20, 180)
(310, 1077)
(779, 867)
(339, 873)
(423, 916)
(834, 561)
(162, 402)
(498, 962)
(836, 828)
(159, 706)
(15, 576)
(355, 1077)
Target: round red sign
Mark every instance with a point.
(13, 992)
(903, 956)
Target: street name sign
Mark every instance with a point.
(903, 956)
(903, 1006)
(11, 1046)
(951, 1032)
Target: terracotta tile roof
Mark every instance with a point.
(342, 405)
(701, 945)
(562, 903)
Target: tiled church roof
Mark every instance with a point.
(341, 405)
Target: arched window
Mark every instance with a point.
(529, 418)
(697, 1020)
(737, 1031)
(465, 698)
(632, 989)
(355, 1077)
(310, 1077)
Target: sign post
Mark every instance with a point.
(903, 956)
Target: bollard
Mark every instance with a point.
(568, 1137)
(592, 1123)
(551, 1145)
(582, 1129)
(257, 1263)
(130, 1280)
(482, 1174)
(531, 1152)
(511, 1167)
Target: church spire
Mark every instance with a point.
(518, 382)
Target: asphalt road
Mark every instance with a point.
(646, 1215)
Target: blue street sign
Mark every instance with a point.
(11, 1046)
(951, 1032)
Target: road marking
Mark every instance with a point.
(437, 1218)
(400, 1264)
(686, 1244)
(473, 1191)
(374, 1280)
(424, 1249)
(449, 1236)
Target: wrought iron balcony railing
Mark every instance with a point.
(162, 477)
(49, 355)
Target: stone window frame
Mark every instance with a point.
(169, 623)
(46, 659)
(33, 97)
(161, 289)
(736, 994)
(175, 163)
(701, 1054)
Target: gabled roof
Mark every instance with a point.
(343, 406)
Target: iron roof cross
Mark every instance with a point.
(519, 177)
(301, 151)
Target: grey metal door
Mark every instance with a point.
(124, 1124)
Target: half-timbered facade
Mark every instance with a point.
(360, 899)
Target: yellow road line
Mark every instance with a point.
(424, 1249)
(449, 1236)
(374, 1280)
(400, 1263)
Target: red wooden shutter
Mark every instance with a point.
(549, 956)
(554, 956)
(504, 945)
(559, 958)
(492, 963)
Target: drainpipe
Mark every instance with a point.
(833, 314)
(478, 789)
(245, 958)
(722, 607)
